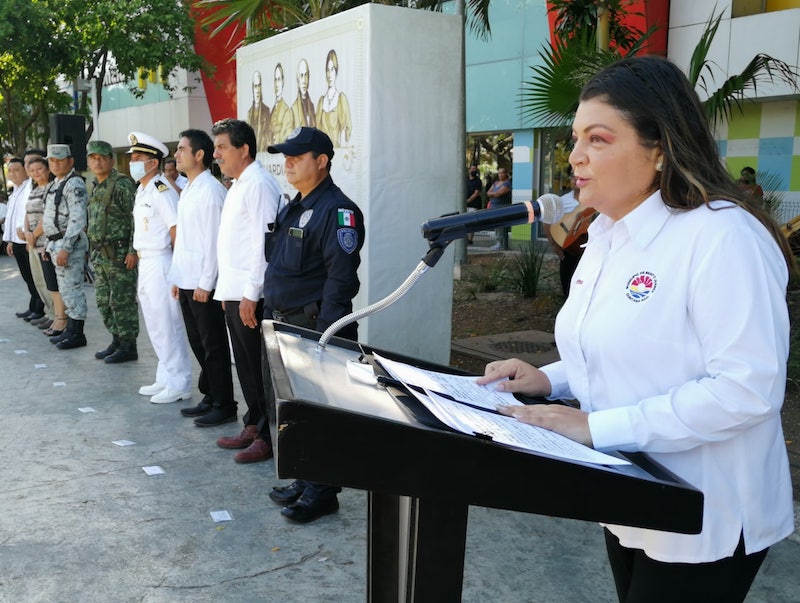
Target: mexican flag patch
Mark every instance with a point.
(347, 217)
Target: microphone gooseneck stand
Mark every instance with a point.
(435, 252)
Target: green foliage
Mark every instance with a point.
(551, 95)
(44, 40)
(493, 276)
(154, 35)
(772, 185)
(720, 103)
(261, 19)
(526, 268)
(29, 65)
(579, 17)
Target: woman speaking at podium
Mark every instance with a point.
(675, 334)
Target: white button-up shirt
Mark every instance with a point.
(249, 210)
(675, 338)
(15, 213)
(194, 259)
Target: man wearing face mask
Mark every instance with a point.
(155, 216)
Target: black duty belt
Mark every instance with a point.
(285, 316)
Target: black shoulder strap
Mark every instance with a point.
(60, 189)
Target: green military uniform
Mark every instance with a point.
(110, 232)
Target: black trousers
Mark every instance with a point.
(35, 303)
(208, 338)
(640, 579)
(246, 344)
(49, 271)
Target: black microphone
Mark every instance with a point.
(547, 208)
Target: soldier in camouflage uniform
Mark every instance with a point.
(110, 230)
(64, 222)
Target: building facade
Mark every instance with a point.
(765, 135)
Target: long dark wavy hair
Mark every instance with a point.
(656, 98)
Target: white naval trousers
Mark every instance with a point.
(163, 320)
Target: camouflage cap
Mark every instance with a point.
(99, 147)
(58, 151)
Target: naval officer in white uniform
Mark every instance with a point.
(155, 216)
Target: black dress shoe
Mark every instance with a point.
(32, 316)
(24, 314)
(217, 416)
(286, 495)
(203, 408)
(307, 509)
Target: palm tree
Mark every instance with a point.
(761, 69)
(551, 95)
(264, 18)
(603, 16)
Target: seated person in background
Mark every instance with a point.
(747, 181)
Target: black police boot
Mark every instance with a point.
(64, 334)
(112, 347)
(125, 352)
(76, 338)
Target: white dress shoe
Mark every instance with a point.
(151, 390)
(167, 395)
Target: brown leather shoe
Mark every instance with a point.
(259, 450)
(243, 440)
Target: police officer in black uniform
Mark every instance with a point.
(313, 255)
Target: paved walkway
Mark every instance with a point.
(80, 520)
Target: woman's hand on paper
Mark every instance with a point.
(523, 378)
(570, 422)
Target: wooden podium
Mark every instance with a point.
(421, 478)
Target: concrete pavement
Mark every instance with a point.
(80, 520)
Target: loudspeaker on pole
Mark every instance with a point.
(71, 130)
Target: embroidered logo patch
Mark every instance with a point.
(347, 217)
(305, 217)
(348, 239)
(640, 286)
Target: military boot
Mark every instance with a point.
(76, 338)
(64, 334)
(125, 352)
(112, 347)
